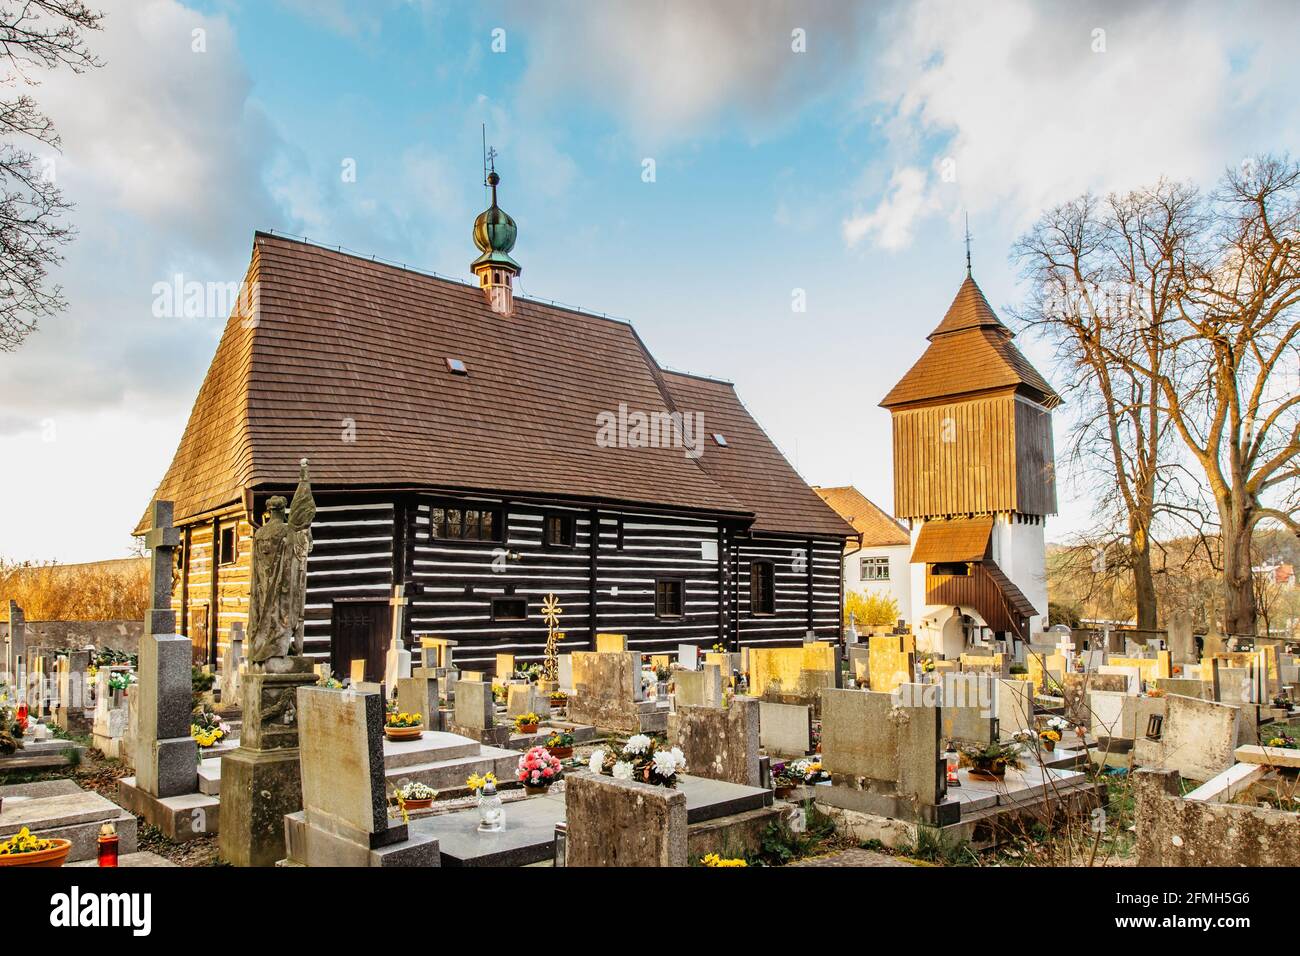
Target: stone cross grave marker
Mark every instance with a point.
(398, 661)
(166, 755)
(231, 661)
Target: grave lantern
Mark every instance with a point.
(107, 845)
(491, 815)
(951, 762)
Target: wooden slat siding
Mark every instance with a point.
(797, 603)
(972, 474)
(233, 583)
(1035, 459)
(977, 590)
(351, 557)
(200, 574)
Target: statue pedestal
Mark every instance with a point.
(260, 781)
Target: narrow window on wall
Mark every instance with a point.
(226, 547)
(669, 600)
(762, 587)
(559, 532)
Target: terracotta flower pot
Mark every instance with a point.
(424, 804)
(1048, 745)
(535, 791)
(403, 733)
(54, 856)
(561, 753)
(784, 792)
(989, 771)
(528, 728)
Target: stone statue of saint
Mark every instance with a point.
(279, 588)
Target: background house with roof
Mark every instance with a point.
(452, 431)
(878, 559)
(974, 475)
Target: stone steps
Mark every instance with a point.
(59, 809)
(450, 774)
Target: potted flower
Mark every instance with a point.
(527, 723)
(1049, 739)
(712, 859)
(23, 849)
(991, 762)
(1285, 741)
(810, 772)
(662, 673)
(11, 730)
(560, 744)
(538, 769)
(416, 796)
(207, 728)
(559, 701)
(402, 726)
(641, 759)
(784, 780)
(816, 737)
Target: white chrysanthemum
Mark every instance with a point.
(597, 761)
(622, 770)
(665, 763)
(637, 744)
(679, 758)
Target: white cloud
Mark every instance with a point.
(890, 223)
(665, 69)
(1029, 109)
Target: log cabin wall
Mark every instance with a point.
(351, 558)
(797, 579)
(207, 603)
(453, 583)
(459, 580)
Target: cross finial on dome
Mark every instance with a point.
(968, 245)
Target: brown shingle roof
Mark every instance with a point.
(750, 466)
(875, 526)
(970, 351)
(340, 347)
(953, 540)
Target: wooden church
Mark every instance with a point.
(484, 450)
(974, 477)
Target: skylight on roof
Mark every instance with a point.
(720, 438)
(457, 366)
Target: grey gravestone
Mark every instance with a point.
(474, 705)
(166, 755)
(419, 695)
(230, 663)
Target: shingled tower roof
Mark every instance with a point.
(970, 352)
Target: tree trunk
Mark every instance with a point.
(1144, 586)
(1238, 582)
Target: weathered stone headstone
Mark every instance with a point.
(785, 730)
(1182, 645)
(892, 661)
(16, 645)
(607, 694)
(700, 688)
(688, 656)
(622, 823)
(73, 696)
(525, 699)
(564, 667)
(231, 661)
(505, 668)
(1133, 675)
(344, 820)
(970, 708)
(719, 743)
(1015, 707)
(1199, 737)
(474, 705)
(419, 695)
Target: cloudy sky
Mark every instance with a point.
(822, 147)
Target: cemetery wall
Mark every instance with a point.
(48, 636)
(1172, 831)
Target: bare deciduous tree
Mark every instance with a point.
(34, 35)
(1105, 275)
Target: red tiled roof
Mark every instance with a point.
(970, 351)
(877, 528)
(343, 361)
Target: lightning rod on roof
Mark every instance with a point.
(968, 245)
